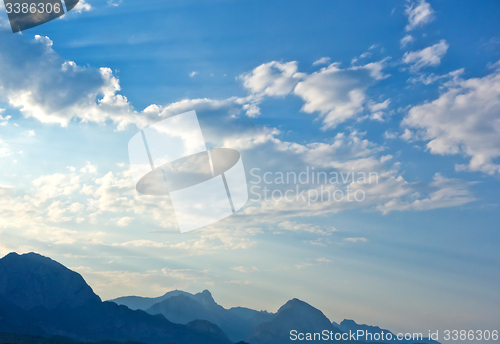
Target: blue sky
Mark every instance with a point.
(409, 90)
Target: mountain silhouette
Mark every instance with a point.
(41, 297)
(43, 302)
(27, 279)
(181, 307)
(13, 338)
(350, 325)
(294, 315)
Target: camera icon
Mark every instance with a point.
(25, 14)
(205, 185)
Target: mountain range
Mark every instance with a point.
(43, 302)
(182, 307)
(41, 297)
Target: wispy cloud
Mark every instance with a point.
(321, 61)
(406, 40)
(430, 56)
(419, 13)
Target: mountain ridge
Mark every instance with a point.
(40, 299)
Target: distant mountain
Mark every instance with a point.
(350, 325)
(237, 323)
(41, 297)
(143, 303)
(294, 315)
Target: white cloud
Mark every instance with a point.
(430, 56)
(84, 6)
(321, 61)
(272, 79)
(5, 150)
(193, 73)
(4, 120)
(428, 79)
(140, 243)
(124, 221)
(305, 227)
(4, 19)
(374, 107)
(245, 269)
(344, 154)
(465, 120)
(114, 3)
(237, 282)
(406, 40)
(419, 13)
(53, 90)
(354, 240)
(89, 168)
(323, 260)
(448, 193)
(338, 94)
(60, 91)
(390, 135)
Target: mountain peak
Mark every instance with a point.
(295, 304)
(31, 280)
(206, 294)
(205, 298)
(295, 314)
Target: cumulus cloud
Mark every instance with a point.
(272, 79)
(430, 56)
(53, 90)
(419, 13)
(46, 87)
(334, 93)
(465, 120)
(124, 221)
(338, 94)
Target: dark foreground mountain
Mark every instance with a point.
(181, 307)
(13, 338)
(350, 325)
(41, 297)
